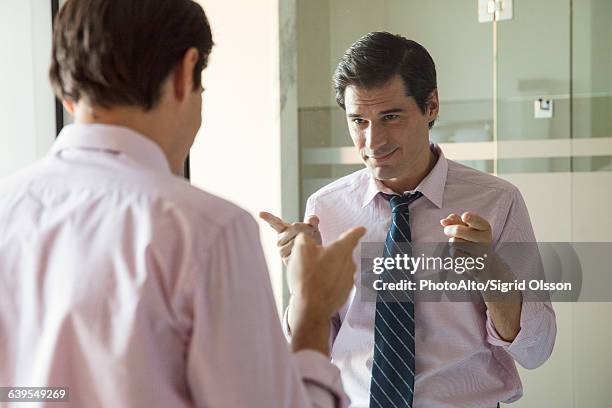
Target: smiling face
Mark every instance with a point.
(390, 131)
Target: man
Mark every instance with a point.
(118, 279)
(421, 355)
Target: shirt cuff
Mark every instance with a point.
(322, 379)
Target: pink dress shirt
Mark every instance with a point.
(135, 289)
(460, 359)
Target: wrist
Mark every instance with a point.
(307, 336)
(302, 311)
(309, 328)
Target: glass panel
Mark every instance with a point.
(559, 50)
(594, 163)
(534, 165)
(551, 50)
(592, 185)
(533, 63)
(483, 165)
(592, 68)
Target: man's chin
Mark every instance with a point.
(382, 173)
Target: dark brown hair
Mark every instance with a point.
(377, 57)
(118, 52)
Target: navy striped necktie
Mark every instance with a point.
(392, 383)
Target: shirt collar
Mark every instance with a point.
(115, 139)
(432, 186)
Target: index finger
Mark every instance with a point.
(452, 219)
(475, 221)
(278, 224)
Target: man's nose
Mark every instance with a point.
(375, 137)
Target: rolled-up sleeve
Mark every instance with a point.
(535, 340)
(237, 355)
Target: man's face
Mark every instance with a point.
(388, 128)
(186, 116)
(194, 119)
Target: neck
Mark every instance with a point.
(418, 172)
(149, 124)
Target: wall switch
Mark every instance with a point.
(543, 108)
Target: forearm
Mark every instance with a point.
(525, 329)
(504, 308)
(506, 316)
(309, 330)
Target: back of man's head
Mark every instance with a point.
(119, 52)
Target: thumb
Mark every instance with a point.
(349, 239)
(313, 220)
(304, 241)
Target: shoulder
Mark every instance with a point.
(464, 176)
(206, 213)
(496, 199)
(166, 202)
(343, 187)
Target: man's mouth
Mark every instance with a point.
(378, 159)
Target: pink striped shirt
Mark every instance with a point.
(135, 289)
(460, 359)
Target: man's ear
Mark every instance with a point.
(182, 76)
(69, 106)
(433, 105)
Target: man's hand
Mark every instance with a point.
(468, 227)
(322, 277)
(505, 310)
(469, 235)
(321, 280)
(287, 232)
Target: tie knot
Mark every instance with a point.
(400, 203)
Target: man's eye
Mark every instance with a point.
(390, 117)
(358, 121)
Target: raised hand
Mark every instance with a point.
(288, 231)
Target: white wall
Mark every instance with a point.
(27, 110)
(237, 154)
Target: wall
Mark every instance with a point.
(237, 154)
(27, 110)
